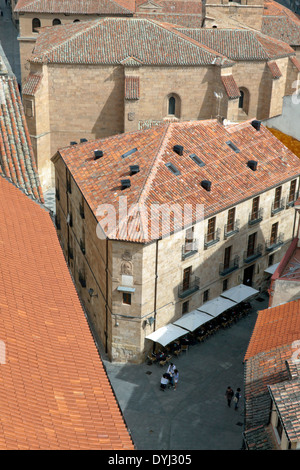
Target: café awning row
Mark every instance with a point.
(239, 293)
(193, 320)
(167, 334)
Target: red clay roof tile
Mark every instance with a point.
(54, 390)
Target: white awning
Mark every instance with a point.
(166, 334)
(272, 269)
(216, 306)
(239, 293)
(191, 321)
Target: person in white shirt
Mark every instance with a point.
(164, 382)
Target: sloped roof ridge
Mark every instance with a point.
(83, 27)
(174, 31)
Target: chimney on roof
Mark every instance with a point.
(98, 154)
(256, 124)
(125, 184)
(178, 149)
(134, 169)
(252, 164)
(206, 185)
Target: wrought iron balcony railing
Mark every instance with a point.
(256, 216)
(189, 249)
(187, 288)
(277, 206)
(274, 243)
(231, 229)
(212, 238)
(252, 255)
(228, 268)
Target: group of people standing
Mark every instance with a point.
(170, 378)
(231, 395)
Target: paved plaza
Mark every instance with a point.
(196, 415)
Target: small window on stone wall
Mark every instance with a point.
(36, 23)
(28, 108)
(56, 21)
(173, 105)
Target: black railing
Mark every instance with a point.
(188, 288)
(252, 255)
(256, 216)
(231, 229)
(227, 268)
(277, 206)
(274, 243)
(189, 249)
(212, 238)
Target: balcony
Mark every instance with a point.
(277, 206)
(256, 217)
(291, 200)
(231, 229)
(274, 243)
(188, 288)
(228, 268)
(252, 255)
(189, 249)
(212, 238)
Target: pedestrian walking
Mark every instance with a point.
(229, 395)
(164, 382)
(236, 398)
(176, 378)
(170, 371)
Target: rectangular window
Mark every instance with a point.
(277, 198)
(274, 232)
(185, 307)
(206, 295)
(225, 284)
(271, 260)
(251, 244)
(292, 195)
(230, 220)
(255, 208)
(68, 180)
(187, 278)
(211, 228)
(126, 298)
(227, 256)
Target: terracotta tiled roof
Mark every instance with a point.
(231, 87)
(275, 327)
(55, 393)
(232, 181)
(86, 7)
(109, 41)
(240, 44)
(259, 438)
(281, 23)
(132, 88)
(287, 398)
(274, 69)
(32, 83)
(17, 161)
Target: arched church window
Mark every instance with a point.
(56, 21)
(241, 99)
(172, 105)
(36, 23)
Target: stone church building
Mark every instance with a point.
(89, 80)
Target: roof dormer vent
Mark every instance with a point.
(125, 184)
(178, 149)
(98, 154)
(256, 124)
(252, 164)
(134, 169)
(206, 185)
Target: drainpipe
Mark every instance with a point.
(106, 296)
(155, 287)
